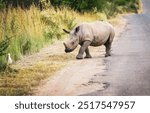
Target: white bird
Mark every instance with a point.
(9, 59)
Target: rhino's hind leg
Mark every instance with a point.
(108, 49)
(82, 49)
(87, 53)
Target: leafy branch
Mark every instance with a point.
(4, 44)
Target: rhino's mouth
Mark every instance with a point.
(67, 50)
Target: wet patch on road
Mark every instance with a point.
(95, 84)
(106, 85)
(99, 74)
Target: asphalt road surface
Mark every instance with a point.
(128, 69)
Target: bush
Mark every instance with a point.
(2, 5)
(4, 44)
(128, 5)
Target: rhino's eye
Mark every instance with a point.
(72, 43)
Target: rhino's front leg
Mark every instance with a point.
(82, 49)
(88, 55)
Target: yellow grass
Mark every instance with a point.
(23, 81)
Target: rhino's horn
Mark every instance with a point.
(65, 45)
(66, 31)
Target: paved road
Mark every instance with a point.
(128, 70)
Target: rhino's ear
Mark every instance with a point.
(76, 30)
(66, 31)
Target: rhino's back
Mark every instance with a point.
(97, 32)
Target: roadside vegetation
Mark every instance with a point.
(26, 26)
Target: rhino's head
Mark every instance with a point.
(73, 41)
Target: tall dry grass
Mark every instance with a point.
(26, 29)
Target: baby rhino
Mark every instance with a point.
(90, 34)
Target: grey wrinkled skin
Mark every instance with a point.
(90, 34)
